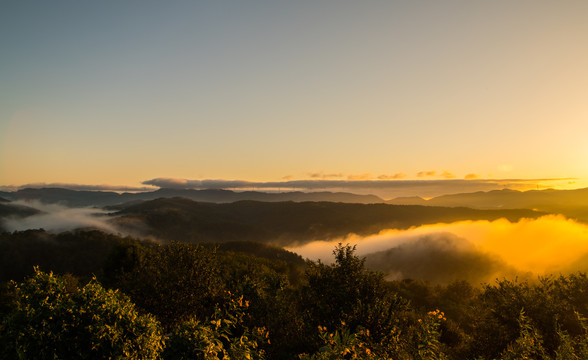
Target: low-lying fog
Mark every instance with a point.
(477, 251)
(57, 218)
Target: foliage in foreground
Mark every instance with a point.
(530, 345)
(277, 311)
(51, 320)
(173, 282)
(224, 336)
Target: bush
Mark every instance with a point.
(224, 336)
(51, 320)
(174, 282)
(341, 345)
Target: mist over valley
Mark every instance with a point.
(434, 243)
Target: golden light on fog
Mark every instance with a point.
(544, 245)
(547, 245)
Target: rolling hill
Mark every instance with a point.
(285, 223)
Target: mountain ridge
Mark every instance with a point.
(81, 198)
(572, 203)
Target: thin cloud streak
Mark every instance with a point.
(397, 176)
(320, 175)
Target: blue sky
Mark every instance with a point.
(121, 92)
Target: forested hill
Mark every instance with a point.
(286, 222)
(15, 210)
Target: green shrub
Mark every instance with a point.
(341, 345)
(50, 320)
(224, 336)
(418, 341)
(174, 282)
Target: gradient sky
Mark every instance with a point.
(120, 92)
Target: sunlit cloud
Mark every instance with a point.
(172, 183)
(397, 176)
(321, 175)
(426, 173)
(447, 175)
(354, 177)
(471, 176)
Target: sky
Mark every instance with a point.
(123, 94)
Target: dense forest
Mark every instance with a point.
(88, 294)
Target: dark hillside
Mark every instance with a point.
(14, 210)
(261, 250)
(287, 222)
(8, 210)
(81, 253)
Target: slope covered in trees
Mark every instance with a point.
(195, 301)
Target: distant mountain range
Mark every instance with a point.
(224, 215)
(572, 203)
(549, 200)
(74, 198)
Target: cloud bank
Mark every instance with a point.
(386, 188)
(478, 251)
(79, 187)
